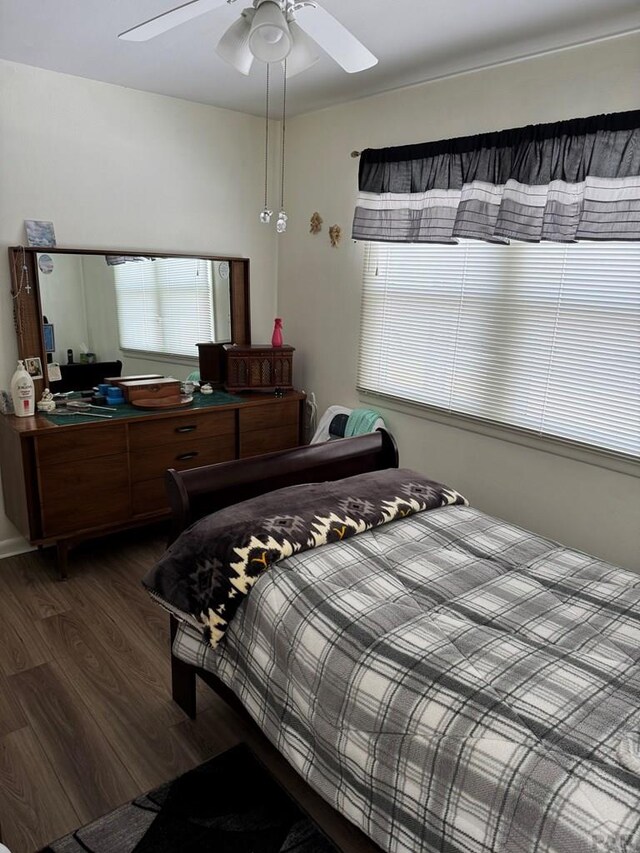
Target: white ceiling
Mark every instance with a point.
(415, 40)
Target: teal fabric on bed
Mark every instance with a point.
(361, 421)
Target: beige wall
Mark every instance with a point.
(117, 168)
(588, 507)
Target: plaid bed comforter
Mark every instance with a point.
(449, 682)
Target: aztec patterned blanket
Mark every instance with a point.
(210, 568)
(450, 683)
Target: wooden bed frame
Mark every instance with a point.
(200, 491)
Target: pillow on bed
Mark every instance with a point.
(208, 570)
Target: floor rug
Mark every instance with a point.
(229, 804)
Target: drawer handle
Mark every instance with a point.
(184, 456)
(186, 428)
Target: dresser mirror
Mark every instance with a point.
(137, 312)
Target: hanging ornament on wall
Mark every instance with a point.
(335, 235)
(315, 224)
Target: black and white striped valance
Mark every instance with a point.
(572, 180)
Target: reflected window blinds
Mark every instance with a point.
(164, 305)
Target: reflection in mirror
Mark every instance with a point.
(148, 313)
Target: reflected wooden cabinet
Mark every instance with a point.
(65, 483)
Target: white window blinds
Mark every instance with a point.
(543, 337)
(164, 305)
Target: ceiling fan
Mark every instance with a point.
(270, 31)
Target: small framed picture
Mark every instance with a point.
(49, 337)
(40, 233)
(34, 367)
(45, 264)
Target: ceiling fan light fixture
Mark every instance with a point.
(233, 47)
(270, 39)
(303, 53)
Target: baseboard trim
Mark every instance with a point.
(14, 546)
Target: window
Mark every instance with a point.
(544, 337)
(164, 305)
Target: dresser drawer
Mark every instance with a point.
(75, 496)
(268, 440)
(150, 464)
(90, 442)
(149, 496)
(275, 414)
(170, 430)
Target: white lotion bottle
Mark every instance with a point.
(23, 392)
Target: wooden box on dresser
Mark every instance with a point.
(75, 481)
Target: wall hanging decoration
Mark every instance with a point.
(315, 224)
(335, 235)
(20, 288)
(571, 180)
(40, 233)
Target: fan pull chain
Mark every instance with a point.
(266, 214)
(281, 223)
(284, 131)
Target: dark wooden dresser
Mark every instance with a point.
(75, 481)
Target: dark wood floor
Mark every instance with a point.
(86, 717)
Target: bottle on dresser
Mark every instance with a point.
(23, 392)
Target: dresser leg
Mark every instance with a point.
(62, 558)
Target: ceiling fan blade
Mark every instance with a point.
(335, 39)
(168, 20)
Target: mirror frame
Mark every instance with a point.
(27, 305)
